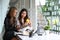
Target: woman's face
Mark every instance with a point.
(13, 13)
(23, 14)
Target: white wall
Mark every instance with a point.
(33, 13)
(0, 13)
(4, 4)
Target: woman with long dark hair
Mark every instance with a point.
(10, 24)
(23, 20)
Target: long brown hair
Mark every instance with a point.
(19, 17)
(9, 12)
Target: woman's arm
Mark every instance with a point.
(8, 26)
(18, 25)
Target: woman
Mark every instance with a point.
(23, 20)
(10, 24)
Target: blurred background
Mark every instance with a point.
(40, 12)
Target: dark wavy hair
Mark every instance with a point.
(19, 17)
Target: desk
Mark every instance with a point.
(50, 36)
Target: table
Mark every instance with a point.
(50, 36)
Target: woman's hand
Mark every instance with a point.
(18, 27)
(29, 22)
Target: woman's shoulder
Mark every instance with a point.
(17, 19)
(6, 20)
(18, 23)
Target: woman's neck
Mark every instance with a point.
(22, 17)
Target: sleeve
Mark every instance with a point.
(8, 26)
(18, 22)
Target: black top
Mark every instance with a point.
(8, 26)
(9, 29)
